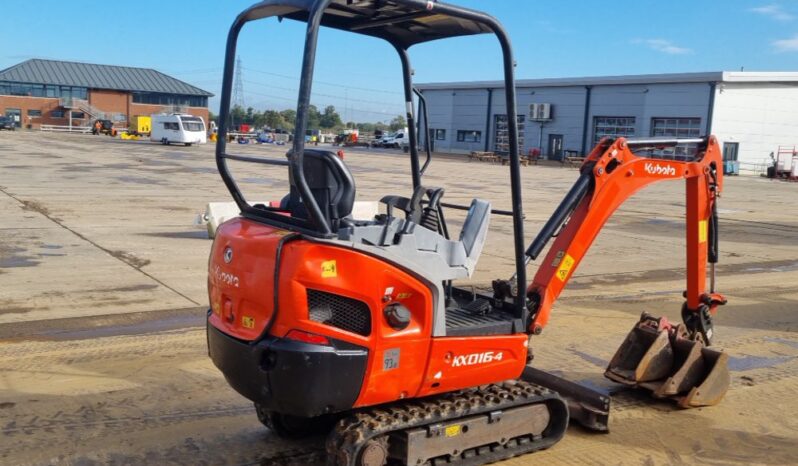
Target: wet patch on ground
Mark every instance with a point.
(193, 234)
(140, 180)
(130, 259)
(661, 275)
(12, 257)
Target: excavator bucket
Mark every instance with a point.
(645, 356)
(659, 357)
(713, 383)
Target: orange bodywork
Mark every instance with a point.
(618, 174)
(241, 293)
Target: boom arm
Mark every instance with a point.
(611, 174)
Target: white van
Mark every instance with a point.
(178, 128)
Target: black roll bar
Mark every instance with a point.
(422, 102)
(315, 8)
(407, 80)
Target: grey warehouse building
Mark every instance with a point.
(751, 113)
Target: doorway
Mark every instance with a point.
(730, 151)
(15, 115)
(555, 147)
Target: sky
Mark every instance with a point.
(360, 75)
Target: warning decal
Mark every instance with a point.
(702, 231)
(248, 322)
(329, 269)
(565, 267)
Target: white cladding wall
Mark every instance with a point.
(757, 116)
(458, 109)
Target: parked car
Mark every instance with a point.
(7, 123)
(396, 140)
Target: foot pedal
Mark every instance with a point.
(478, 306)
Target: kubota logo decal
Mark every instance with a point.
(477, 358)
(226, 278)
(657, 169)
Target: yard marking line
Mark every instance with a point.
(107, 251)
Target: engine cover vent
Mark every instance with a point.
(339, 311)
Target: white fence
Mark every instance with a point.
(65, 129)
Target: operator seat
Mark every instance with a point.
(330, 183)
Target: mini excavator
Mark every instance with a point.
(355, 327)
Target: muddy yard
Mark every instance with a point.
(103, 295)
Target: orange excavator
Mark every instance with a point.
(357, 326)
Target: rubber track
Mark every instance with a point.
(351, 433)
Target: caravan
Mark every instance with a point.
(178, 128)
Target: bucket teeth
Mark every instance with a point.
(660, 358)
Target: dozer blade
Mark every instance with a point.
(645, 356)
(588, 407)
(661, 358)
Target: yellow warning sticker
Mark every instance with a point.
(329, 269)
(247, 322)
(702, 231)
(565, 267)
(453, 431)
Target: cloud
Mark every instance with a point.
(786, 45)
(664, 46)
(773, 11)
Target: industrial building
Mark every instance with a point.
(751, 113)
(48, 92)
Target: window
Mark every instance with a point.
(677, 128)
(440, 134)
(34, 113)
(469, 136)
(192, 124)
(41, 90)
(172, 125)
(57, 114)
(156, 98)
(612, 127)
(78, 115)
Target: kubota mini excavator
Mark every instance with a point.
(356, 327)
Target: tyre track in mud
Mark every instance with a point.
(178, 409)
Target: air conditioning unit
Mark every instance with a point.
(540, 112)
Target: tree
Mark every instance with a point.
(313, 117)
(398, 123)
(237, 115)
(330, 118)
(289, 117)
(212, 117)
(273, 119)
(250, 116)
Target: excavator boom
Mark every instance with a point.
(656, 353)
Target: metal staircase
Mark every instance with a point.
(83, 106)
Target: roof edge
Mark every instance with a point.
(665, 78)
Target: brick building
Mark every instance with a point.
(50, 92)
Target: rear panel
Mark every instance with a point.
(342, 294)
(325, 290)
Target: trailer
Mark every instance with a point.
(140, 125)
(178, 128)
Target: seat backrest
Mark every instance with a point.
(331, 184)
(475, 227)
